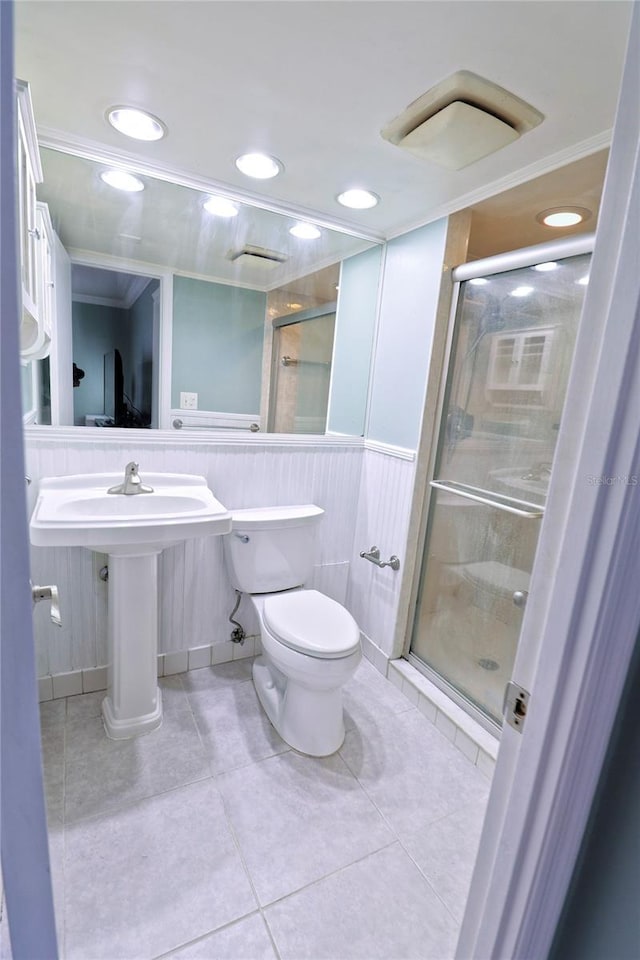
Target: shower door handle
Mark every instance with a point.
(520, 508)
(520, 598)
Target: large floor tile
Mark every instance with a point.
(411, 771)
(152, 877)
(5, 940)
(103, 774)
(52, 713)
(234, 728)
(446, 852)
(56, 864)
(369, 695)
(88, 706)
(247, 939)
(297, 819)
(217, 677)
(52, 738)
(380, 908)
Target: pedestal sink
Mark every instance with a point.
(77, 511)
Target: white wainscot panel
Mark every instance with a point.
(196, 596)
(384, 507)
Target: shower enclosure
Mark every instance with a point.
(511, 348)
(302, 353)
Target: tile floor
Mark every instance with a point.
(211, 839)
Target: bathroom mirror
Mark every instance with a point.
(212, 287)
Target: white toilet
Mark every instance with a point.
(310, 643)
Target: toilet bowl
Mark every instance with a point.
(310, 643)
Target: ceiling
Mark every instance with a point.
(166, 225)
(313, 83)
(508, 220)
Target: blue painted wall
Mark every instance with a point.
(356, 318)
(218, 334)
(411, 287)
(96, 331)
(138, 369)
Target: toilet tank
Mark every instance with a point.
(271, 548)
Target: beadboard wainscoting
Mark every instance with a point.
(384, 505)
(196, 596)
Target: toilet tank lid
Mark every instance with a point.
(258, 518)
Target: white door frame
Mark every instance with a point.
(581, 623)
(162, 322)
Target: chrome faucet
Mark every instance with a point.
(132, 483)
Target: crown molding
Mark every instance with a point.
(54, 139)
(546, 165)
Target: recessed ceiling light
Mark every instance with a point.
(305, 231)
(358, 199)
(259, 165)
(583, 281)
(122, 180)
(136, 123)
(221, 207)
(545, 267)
(563, 216)
(521, 291)
(479, 281)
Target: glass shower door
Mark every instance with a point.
(512, 349)
(303, 349)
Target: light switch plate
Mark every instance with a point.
(188, 401)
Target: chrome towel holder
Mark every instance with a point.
(374, 556)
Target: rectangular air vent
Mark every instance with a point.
(461, 120)
(257, 257)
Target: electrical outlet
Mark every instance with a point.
(188, 401)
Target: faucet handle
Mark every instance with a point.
(48, 593)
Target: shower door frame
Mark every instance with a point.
(287, 320)
(489, 266)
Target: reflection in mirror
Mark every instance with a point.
(303, 345)
(112, 337)
(205, 358)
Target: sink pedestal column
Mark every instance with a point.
(133, 704)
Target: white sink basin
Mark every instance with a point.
(77, 511)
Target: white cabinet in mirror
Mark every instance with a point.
(36, 239)
(205, 353)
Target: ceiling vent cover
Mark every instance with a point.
(257, 257)
(461, 120)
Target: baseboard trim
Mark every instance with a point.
(476, 743)
(59, 685)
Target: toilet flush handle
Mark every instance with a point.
(243, 537)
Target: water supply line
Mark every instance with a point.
(237, 634)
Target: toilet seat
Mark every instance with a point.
(311, 623)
